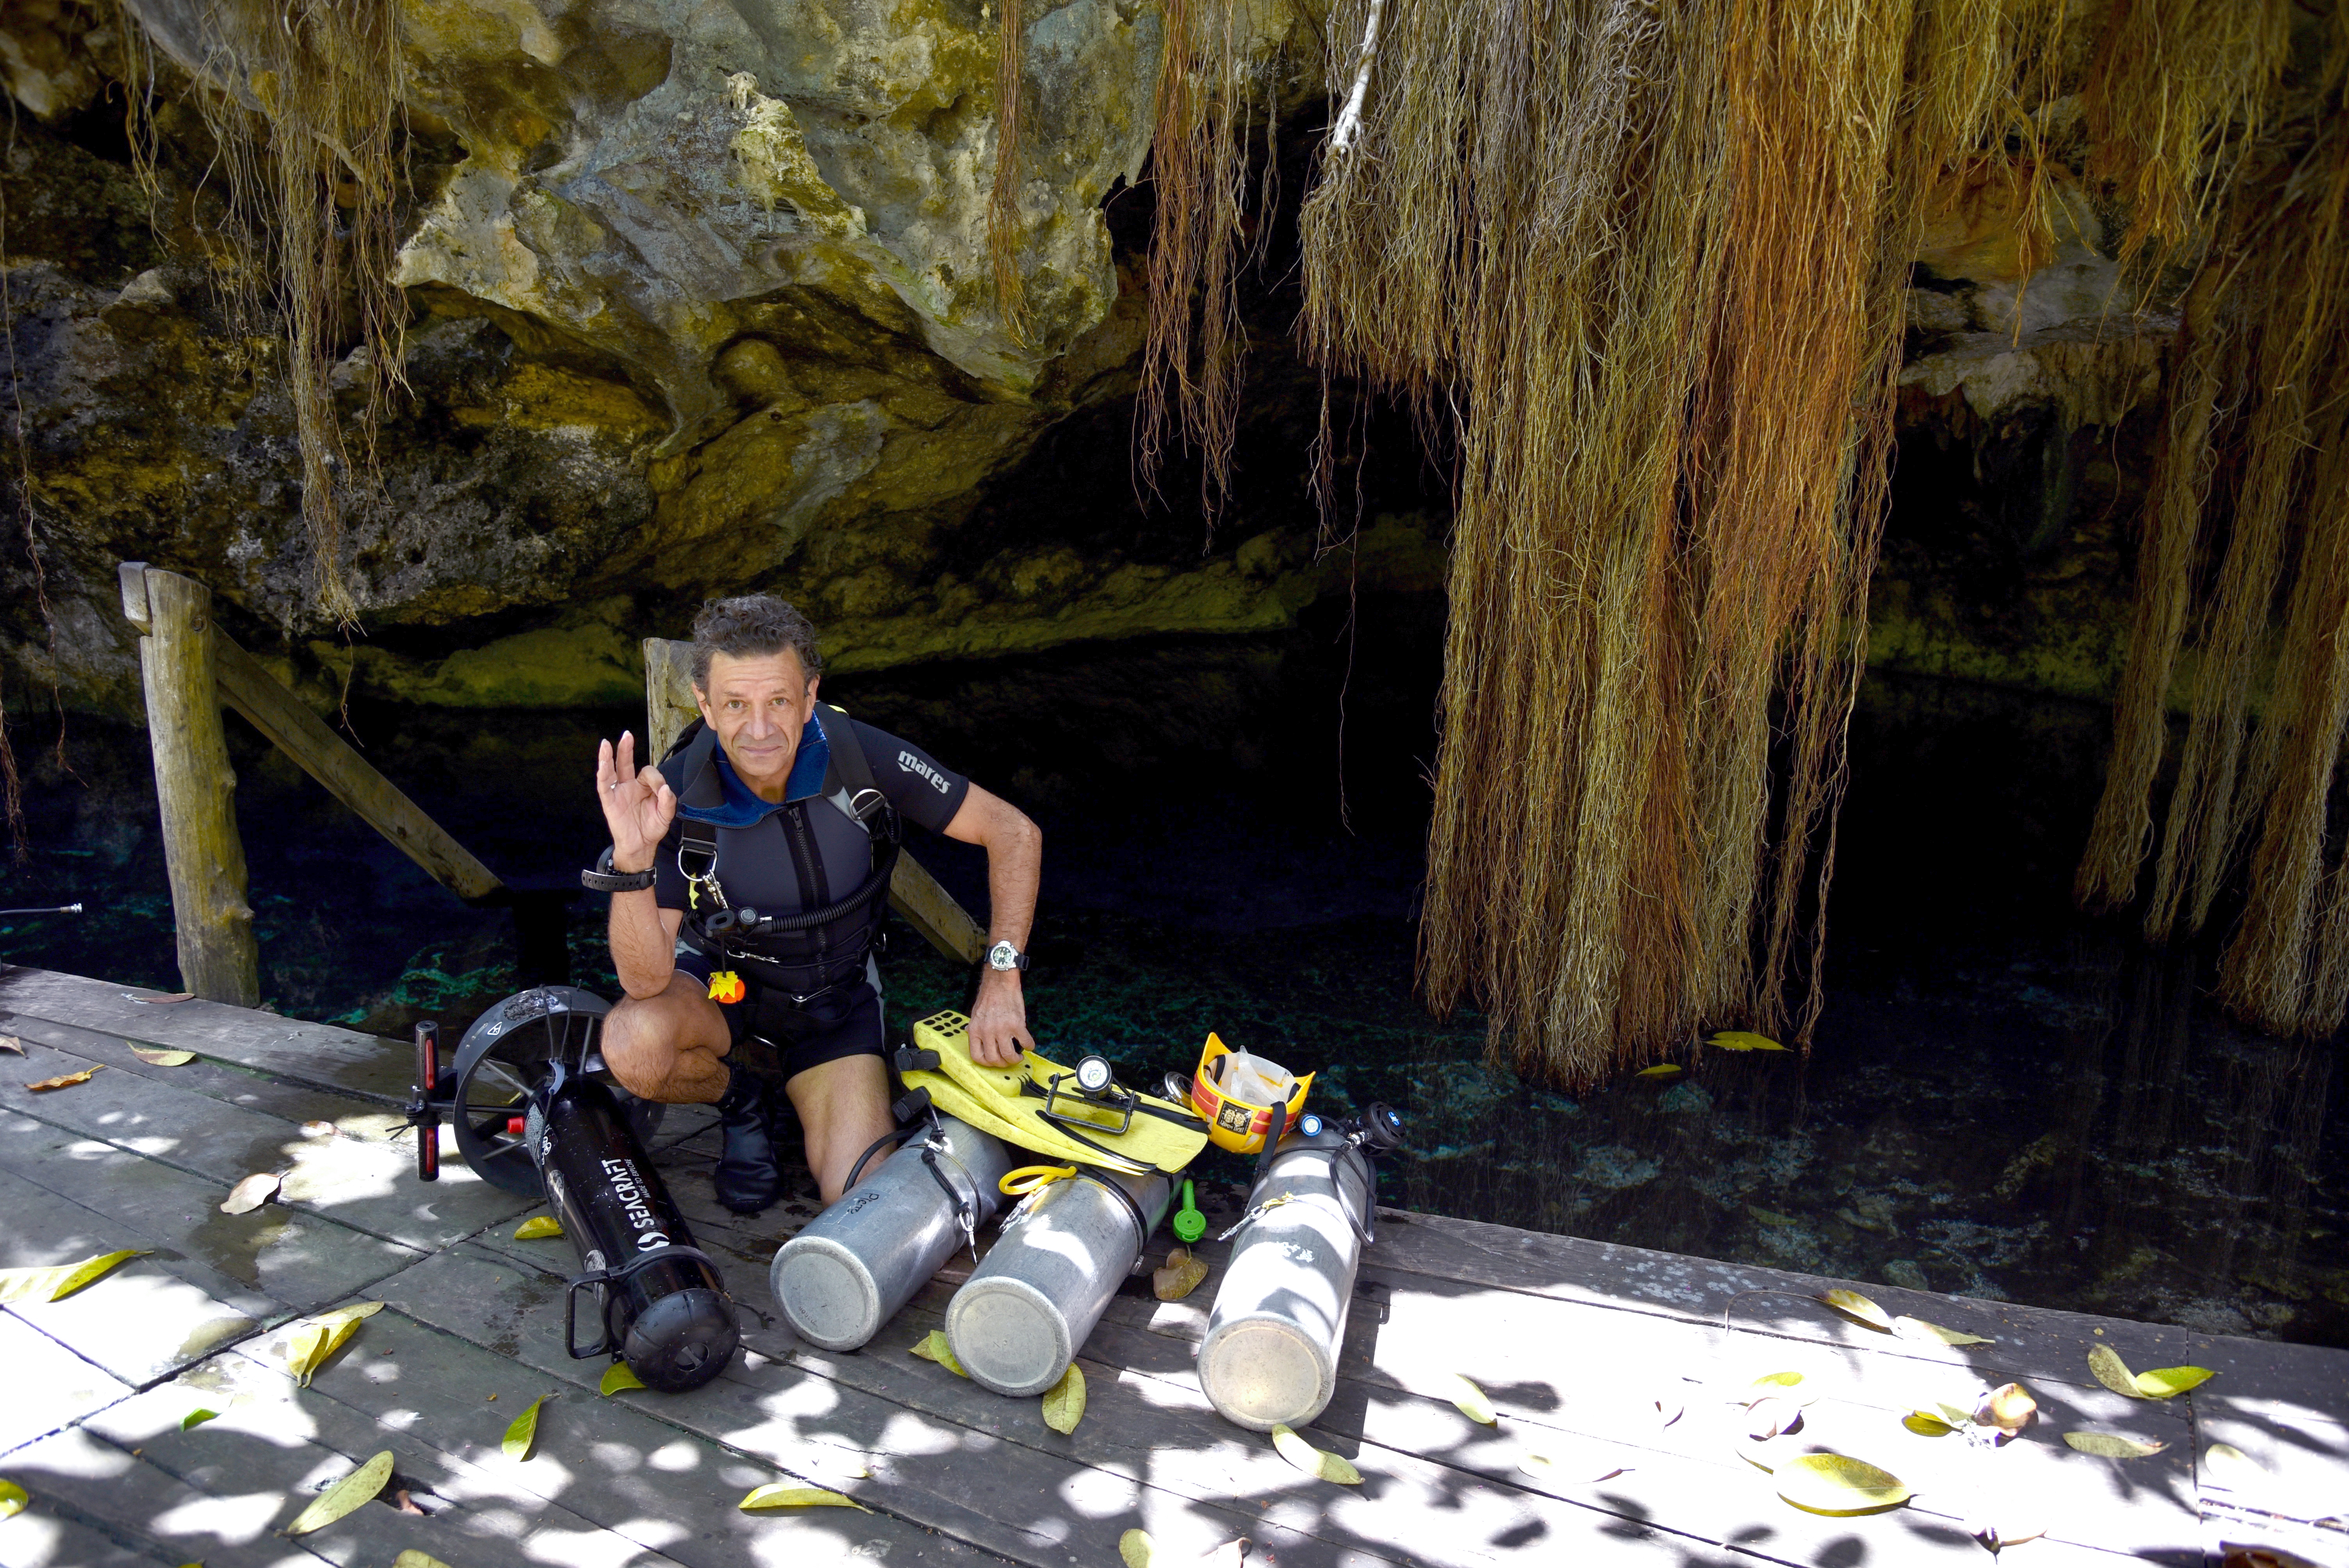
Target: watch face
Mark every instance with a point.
(1002, 955)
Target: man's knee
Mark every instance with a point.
(647, 1043)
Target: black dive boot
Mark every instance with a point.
(747, 1178)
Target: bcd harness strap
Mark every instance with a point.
(716, 927)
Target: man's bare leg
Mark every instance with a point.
(671, 1048)
(843, 1106)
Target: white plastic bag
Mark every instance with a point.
(1255, 1080)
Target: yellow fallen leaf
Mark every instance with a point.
(781, 1494)
(358, 1487)
(1559, 1472)
(936, 1348)
(1137, 1548)
(13, 1499)
(1472, 1402)
(522, 1432)
(2168, 1382)
(61, 1281)
(2112, 1444)
(1838, 1484)
(315, 1342)
(11, 1043)
(157, 1057)
(1926, 1425)
(1851, 1304)
(1064, 1401)
(1776, 1383)
(538, 1227)
(1917, 1328)
(194, 1418)
(2105, 1364)
(1312, 1460)
(2224, 1464)
(64, 1080)
(1742, 1040)
(412, 1558)
(165, 996)
(252, 1193)
(1765, 1418)
(618, 1378)
(2009, 1408)
(1180, 1276)
(1661, 1070)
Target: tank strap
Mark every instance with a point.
(936, 1153)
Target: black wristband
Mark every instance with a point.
(603, 878)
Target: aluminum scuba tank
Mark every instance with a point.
(848, 1273)
(659, 1300)
(1270, 1356)
(1020, 1319)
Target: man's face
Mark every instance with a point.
(757, 707)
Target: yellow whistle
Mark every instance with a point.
(726, 987)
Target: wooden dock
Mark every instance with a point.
(1600, 1359)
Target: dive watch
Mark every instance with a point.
(603, 878)
(1003, 956)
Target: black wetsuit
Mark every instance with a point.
(803, 855)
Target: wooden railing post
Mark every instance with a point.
(194, 785)
(914, 893)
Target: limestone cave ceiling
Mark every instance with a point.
(700, 298)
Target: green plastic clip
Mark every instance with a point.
(1189, 1223)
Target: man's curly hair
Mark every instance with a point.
(751, 627)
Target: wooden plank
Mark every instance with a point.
(195, 787)
(603, 1462)
(929, 909)
(1033, 1499)
(211, 1278)
(273, 1438)
(93, 1505)
(914, 893)
(223, 1490)
(668, 695)
(366, 1182)
(49, 1387)
(38, 1538)
(315, 1055)
(327, 756)
(2033, 1343)
(207, 1075)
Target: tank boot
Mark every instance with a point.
(747, 1178)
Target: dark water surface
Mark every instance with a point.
(2005, 1099)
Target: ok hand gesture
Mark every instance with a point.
(637, 805)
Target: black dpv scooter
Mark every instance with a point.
(536, 1113)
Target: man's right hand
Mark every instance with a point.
(638, 804)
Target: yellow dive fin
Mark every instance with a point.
(1011, 1104)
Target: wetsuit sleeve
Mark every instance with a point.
(926, 794)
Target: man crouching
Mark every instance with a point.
(765, 842)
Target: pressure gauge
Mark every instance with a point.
(1094, 1074)
(1310, 1125)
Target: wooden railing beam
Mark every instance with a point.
(195, 787)
(302, 734)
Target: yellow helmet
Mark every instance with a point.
(1233, 1123)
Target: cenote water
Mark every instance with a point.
(2004, 1100)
